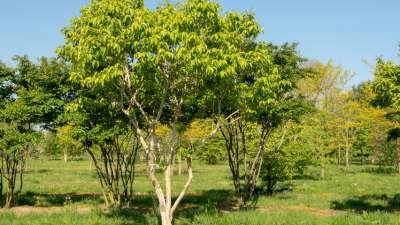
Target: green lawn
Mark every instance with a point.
(68, 193)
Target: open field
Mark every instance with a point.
(59, 193)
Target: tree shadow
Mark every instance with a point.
(193, 204)
(130, 216)
(369, 203)
(144, 207)
(306, 177)
(37, 171)
(211, 202)
(379, 170)
(49, 200)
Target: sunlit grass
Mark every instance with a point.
(359, 195)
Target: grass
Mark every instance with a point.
(68, 193)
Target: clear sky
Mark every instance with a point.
(347, 31)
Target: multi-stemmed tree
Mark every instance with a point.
(263, 98)
(32, 96)
(155, 67)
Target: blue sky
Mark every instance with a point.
(347, 31)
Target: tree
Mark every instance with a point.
(67, 144)
(61, 143)
(153, 65)
(370, 141)
(264, 99)
(284, 159)
(325, 88)
(211, 153)
(386, 86)
(105, 135)
(33, 95)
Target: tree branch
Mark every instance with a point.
(187, 185)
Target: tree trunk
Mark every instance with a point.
(179, 164)
(398, 154)
(165, 201)
(9, 198)
(347, 148)
(322, 172)
(65, 156)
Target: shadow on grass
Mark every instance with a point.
(369, 203)
(211, 200)
(37, 171)
(48, 200)
(144, 209)
(306, 177)
(131, 216)
(379, 170)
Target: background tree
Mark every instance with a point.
(33, 96)
(324, 88)
(67, 144)
(265, 100)
(61, 142)
(284, 159)
(211, 153)
(386, 86)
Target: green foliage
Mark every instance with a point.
(277, 167)
(59, 144)
(33, 95)
(158, 67)
(386, 84)
(265, 99)
(51, 147)
(213, 153)
(288, 155)
(160, 80)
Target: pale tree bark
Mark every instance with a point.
(65, 156)
(148, 139)
(150, 145)
(339, 151)
(167, 207)
(179, 164)
(321, 159)
(322, 171)
(347, 148)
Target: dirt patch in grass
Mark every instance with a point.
(300, 208)
(22, 210)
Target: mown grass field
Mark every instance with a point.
(68, 193)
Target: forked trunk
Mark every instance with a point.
(166, 208)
